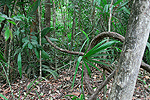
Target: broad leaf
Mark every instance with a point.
(7, 34)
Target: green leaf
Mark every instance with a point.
(20, 65)
(44, 55)
(77, 65)
(92, 65)
(118, 2)
(2, 58)
(25, 39)
(69, 36)
(125, 3)
(104, 46)
(98, 62)
(25, 45)
(3, 97)
(7, 34)
(47, 69)
(98, 55)
(97, 49)
(148, 45)
(6, 17)
(86, 39)
(53, 39)
(81, 97)
(11, 22)
(124, 9)
(30, 46)
(36, 4)
(88, 69)
(89, 53)
(45, 31)
(2, 18)
(36, 53)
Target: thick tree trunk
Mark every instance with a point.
(133, 50)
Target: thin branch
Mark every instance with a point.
(39, 14)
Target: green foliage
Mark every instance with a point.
(147, 53)
(45, 31)
(3, 97)
(77, 66)
(20, 65)
(75, 97)
(2, 59)
(8, 33)
(47, 69)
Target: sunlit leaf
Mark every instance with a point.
(11, 22)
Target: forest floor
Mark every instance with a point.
(60, 88)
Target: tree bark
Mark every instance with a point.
(133, 50)
(48, 15)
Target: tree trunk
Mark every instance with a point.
(133, 50)
(48, 15)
